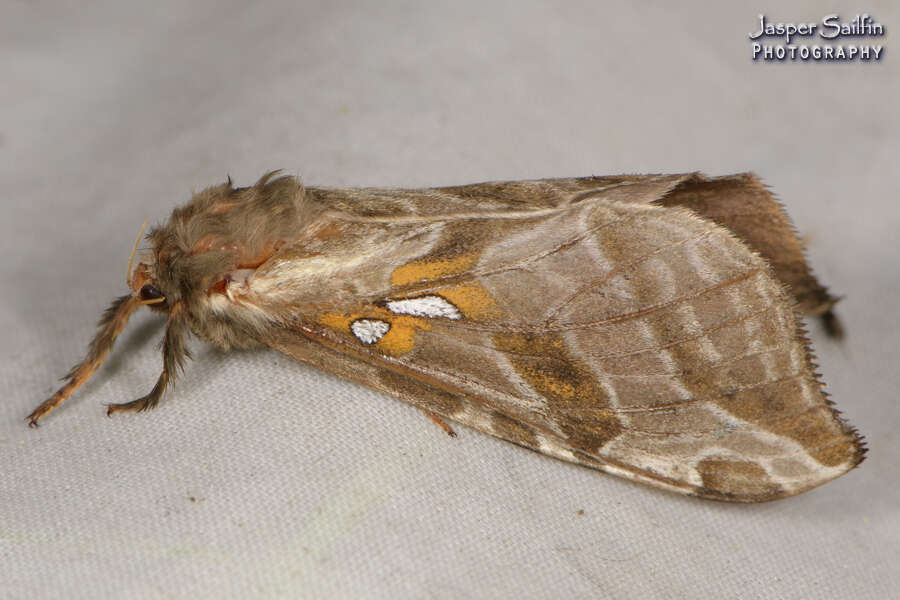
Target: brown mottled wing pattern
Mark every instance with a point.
(592, 324)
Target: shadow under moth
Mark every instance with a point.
(642, 325)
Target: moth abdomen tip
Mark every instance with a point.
(833, 324)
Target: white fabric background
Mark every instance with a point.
(304, 485)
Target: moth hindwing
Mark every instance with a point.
(641, 325)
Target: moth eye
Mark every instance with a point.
(151, 292)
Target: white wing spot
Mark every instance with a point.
(369, 331)
(424, 306)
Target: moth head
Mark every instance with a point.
(142, 279)
(223, 230)
(168, 273)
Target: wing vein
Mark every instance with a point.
(616, 318)
(619, 269)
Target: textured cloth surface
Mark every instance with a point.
(261, 477)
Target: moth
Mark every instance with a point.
(643, 325)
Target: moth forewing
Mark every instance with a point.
(640, 325)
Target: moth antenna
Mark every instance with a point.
(133, 251)
(111, 324)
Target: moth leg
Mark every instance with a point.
(111, 324)
(174, 355)
(145, 402)
(440, 422)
